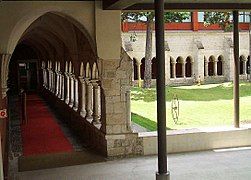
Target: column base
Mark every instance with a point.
(163, 176)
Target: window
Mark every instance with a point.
(244, 17)
(200, 16)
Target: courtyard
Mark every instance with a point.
(199, 106)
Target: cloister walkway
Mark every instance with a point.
(234, 164)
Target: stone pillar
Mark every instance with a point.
(174, 69)
(71, 90)
(168, 70)
(5, 59)
(89, 103)
(206, 68)
(67, 98)
(83, 96)
(139, 73)
(96, 102)
(75, 106)
(59, 84)
(229, 59)
(128, 108)
(62, 87)
(245, 67)
(183, 70)
(215, 68)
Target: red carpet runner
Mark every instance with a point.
(42, 135)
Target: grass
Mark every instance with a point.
(200, 106)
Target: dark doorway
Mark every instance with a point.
(23, 69)
(27, 76)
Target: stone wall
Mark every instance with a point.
(199, 46)
(116, 81)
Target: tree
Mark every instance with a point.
(148, 19)
(220, 18)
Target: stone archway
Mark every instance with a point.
(188, 67)
(220, 66)
(179, 67)
(211, 66)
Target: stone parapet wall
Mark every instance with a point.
(124, 145)
(188, 140)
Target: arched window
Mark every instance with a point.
(242, 61)
(248, 65)
(211, 66)
(154, 68)
(219, 66)
(188, 67)
(179, 67)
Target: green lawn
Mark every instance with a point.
(200, 106)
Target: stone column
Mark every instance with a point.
(67, 98)
(244, 67)
(89, 103)
(71, 90)
(75, 106)
(174, 69)
(62, 87)
(96, 102)
(206, 68)
(139, 73)
(184, 70)
(59, 84)
(128, 109)
(215, 68)
(83, 96)
(5, 59)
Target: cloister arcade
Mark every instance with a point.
(183, 68)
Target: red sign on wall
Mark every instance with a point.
(3, 113)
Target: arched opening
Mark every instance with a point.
(248, 65)
(178, 68)
(220, 66)
(211, 66)
(242, 63)
(142, 68)
(135, 69)
(154, 68)
(188, 67)
(48, 59)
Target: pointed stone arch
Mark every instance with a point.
(211, 66)
(188, 67)
(179, 67)
(220, 63)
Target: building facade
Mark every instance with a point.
(193, 52)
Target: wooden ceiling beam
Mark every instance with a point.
(118, 4)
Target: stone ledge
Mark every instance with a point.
(198, 139)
